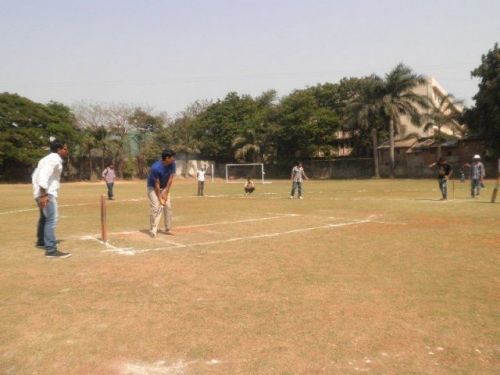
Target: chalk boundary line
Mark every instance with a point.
(110, 248)
(311, 198)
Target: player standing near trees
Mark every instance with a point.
(477, 174)
(200, 176)
(298, 175)
(109, 177)
(444, 174)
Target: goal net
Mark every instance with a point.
(240, 172)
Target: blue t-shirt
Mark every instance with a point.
(161, 172)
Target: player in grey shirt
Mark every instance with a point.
(298, 175)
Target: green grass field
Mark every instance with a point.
(360, 276)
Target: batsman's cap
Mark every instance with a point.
(477, 157)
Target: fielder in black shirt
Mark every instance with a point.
(444, 173)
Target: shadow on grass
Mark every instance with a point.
(429, 199)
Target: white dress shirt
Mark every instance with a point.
(201, 175)
(47, 175)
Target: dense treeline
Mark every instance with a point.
(239, 128)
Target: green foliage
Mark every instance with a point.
(128, 169)
(25, 131)
(223, 121)
(484, 118)
(307, 123)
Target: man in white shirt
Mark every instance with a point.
(46, 181)
(201, 180)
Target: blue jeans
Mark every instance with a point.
(110, 189)
(296, 185)
(49, 230)
(475, 187)
(443, 186)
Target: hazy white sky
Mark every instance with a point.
(168, 54)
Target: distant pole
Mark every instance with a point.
(495, 190)
(453, 188)
(104, 235)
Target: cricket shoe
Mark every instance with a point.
(57, 254)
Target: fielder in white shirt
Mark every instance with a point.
(46, 181)
(200, 175)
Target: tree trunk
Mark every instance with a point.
(103, 158)
(439, 142)
(90, 165)
(391, 149)
(375, 153)
(186, 166)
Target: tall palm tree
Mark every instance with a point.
(247, 145)
(399, 99)
(366, 113)
(443, 113)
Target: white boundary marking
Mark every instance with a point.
(224, 222)
(422, 200)
(234, 239)
(279, 216)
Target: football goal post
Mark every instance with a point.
(240, 172)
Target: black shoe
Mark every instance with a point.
(57, 254)
(40, 245)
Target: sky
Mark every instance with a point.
(167, 54)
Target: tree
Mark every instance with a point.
(25, 131)
(484, 118)
(145, 128)
(366, 114)
(92, 120)
(221, 122)
(247, 146)
(106, 127)
(306, 126)
(444, 113)
(257, 141)
(398, 99)
(180, 137)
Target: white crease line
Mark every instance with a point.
(387, 222)
(69, 205)
(212, 224)
(176, 244)
(235, 239)
(18, 211)
(119, 250)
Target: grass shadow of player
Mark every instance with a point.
(428, 199)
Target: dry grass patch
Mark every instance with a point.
(360, 276)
